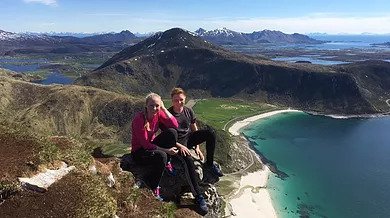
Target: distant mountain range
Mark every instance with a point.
(387, 44)
(226, 36)
(179, 58)
(62, 43)
(16, 38)
(44, 39)
(26, 43)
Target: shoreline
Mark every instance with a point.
(234, 129)
(340, 116)
(252, 199)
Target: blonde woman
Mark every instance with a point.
(149, 149)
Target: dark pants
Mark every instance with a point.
(200, 136)
(189, 168)
(156, 158)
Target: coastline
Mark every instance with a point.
(234, 129)
(252, 199)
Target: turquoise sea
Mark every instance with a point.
(334, 167)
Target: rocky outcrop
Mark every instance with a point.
(176, 188)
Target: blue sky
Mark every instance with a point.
(290, 16)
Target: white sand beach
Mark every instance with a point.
(252, 198)
(234, 129)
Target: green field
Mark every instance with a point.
(218, 112)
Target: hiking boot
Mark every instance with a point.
(169, 167)
(214, 169)
(202, 204)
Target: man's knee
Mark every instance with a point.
(210, 134)
(172, 133)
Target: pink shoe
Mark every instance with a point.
(157, 193)
(170, 169)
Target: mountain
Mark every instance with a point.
(386, 44)
(373, 79)
(228, 37)
(122, 37)
(279, 37)
(41, 43)
(74, 34)
(28, 38)
(178, 58)
(26, 43)
(223, 36)
(8, 38)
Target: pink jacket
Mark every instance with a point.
(141, 137)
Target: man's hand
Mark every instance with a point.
(199, 153)
(183, 149)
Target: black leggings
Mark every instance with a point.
(200, 136)
(157, 158)
(189, 169)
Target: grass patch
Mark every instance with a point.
(98, 199)
(167, 210)
(8, 188)
(48, 153)
(116, 149)
(218, 112)
(66, 149)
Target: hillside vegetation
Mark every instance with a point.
(78, 125)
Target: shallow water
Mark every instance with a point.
(56, 78)
(21, 64)
(313, 60)
(335, 167)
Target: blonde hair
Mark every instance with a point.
(176, 91)
(149, 97)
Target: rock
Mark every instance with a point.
(173, 187)
(42, 181)
(93, 169)
(214, 201)
(110, 180)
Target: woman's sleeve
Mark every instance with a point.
(140, 133)
(168, 122)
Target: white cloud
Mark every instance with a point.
(45, 2)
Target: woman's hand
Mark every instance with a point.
(183, 149)
(172, 151)
(162, 106)
(199, 153)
